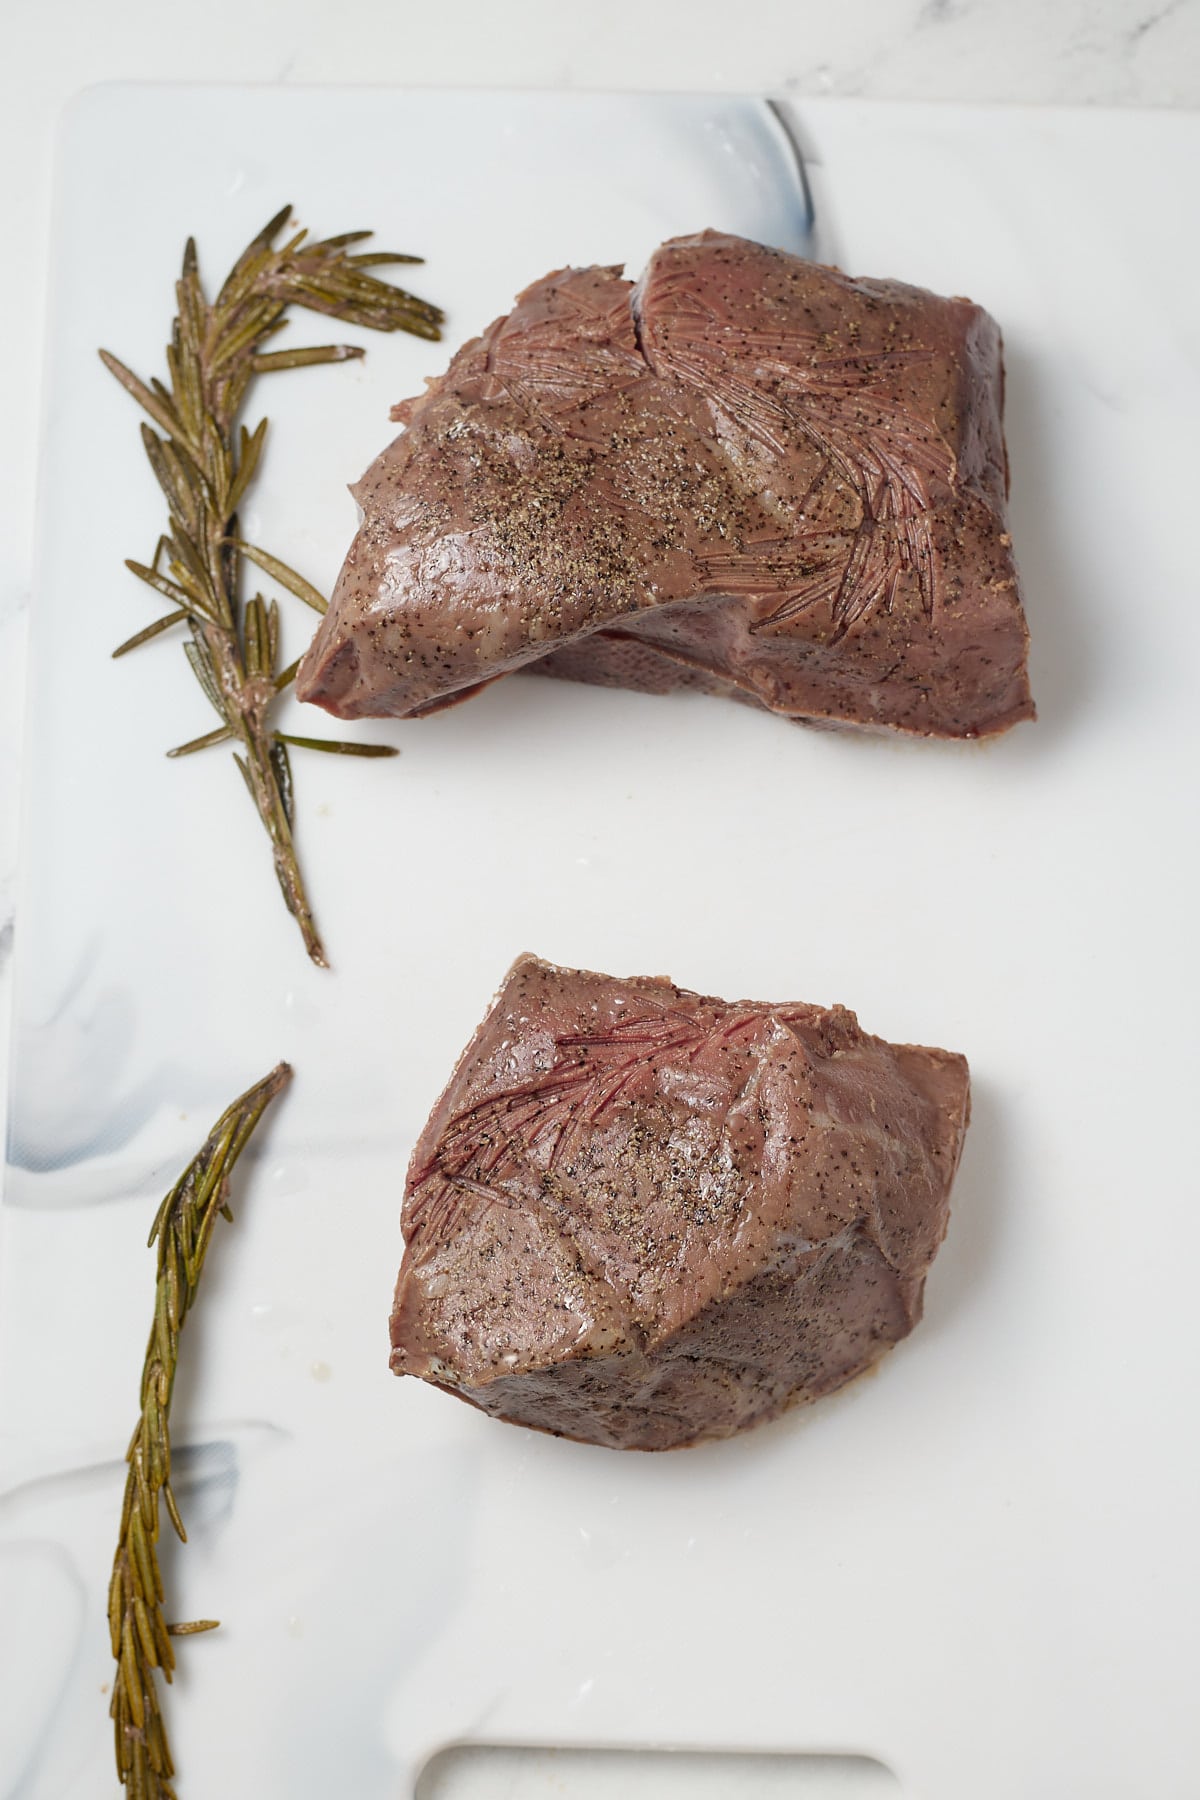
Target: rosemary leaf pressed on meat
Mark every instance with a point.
(141, 1636)
(204, 461)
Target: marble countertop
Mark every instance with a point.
(1091, 52)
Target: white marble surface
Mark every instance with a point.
(1102, 52)
(1019, 1461)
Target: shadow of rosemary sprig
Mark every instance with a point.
(205, 461)
(141, 1637)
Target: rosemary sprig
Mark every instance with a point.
(141, 1637)
(204, 462)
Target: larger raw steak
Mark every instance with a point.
(749, 474)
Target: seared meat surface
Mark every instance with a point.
(642, 1217)
(749, 474)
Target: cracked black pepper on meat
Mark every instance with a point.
(747, 474)
(642, 1217)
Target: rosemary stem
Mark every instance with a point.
(140, 1635)
(204, 462)
(250, 697)
(264, 786)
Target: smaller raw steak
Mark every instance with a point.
(642, 1217)
(749, 474)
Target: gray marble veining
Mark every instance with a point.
(1117, 52)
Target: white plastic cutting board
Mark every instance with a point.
(978, 1566)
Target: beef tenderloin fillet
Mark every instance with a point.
(749, 474)
(642, 1217)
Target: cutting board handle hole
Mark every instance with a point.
(531, 1772)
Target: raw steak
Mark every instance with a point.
(642, 1217)
(749, 474)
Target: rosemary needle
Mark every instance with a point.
(205, 461)
(141, 1636)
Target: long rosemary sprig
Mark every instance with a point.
(204, 463)
(141, 1637)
